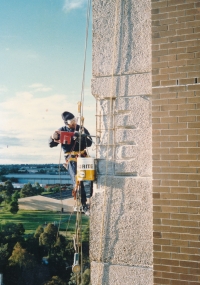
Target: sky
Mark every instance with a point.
(42, 45)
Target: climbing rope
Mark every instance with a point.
(78, 231)
(85, 53)
(78, 256)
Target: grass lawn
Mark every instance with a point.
(32, 219)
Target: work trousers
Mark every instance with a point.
(72, 169)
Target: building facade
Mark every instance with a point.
(145, 213)
(121, 215)
(176, 136)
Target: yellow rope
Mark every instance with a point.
(78, 201)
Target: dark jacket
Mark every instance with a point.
(74, 146)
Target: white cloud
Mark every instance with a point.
(24, 95)
(74, 4)
(3, 89)
(26, 123)
(38, 87)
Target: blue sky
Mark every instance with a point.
(42, 54)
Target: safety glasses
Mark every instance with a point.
(69, 122)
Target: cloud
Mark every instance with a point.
(74, 4)
(38, 87)
(23, 96)
(3, 89)
(27, 121)
(7, 141)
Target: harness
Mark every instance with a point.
(72, 156)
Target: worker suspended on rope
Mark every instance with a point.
(75, 147)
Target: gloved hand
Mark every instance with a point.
(76, 135)
(55, 136)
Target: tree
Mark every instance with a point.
(3, 178)
(57, 265)
(14, 179)
(20, 229)
(73, 279)
(86, 233)
(55, 281)
(1, 199)
(48, 237)
(42, 171)
(3, 255)
(86, 277)
(21, 257)
(56, 189)
(8, 186)
(32, 246)
(60, 245)
(15, 196)
(13, 169)
(14, 207)
(38, 231)
(7, 191)
(3, 171)
(23, 266)
(27, 191)
(85, 280)
(38, 189)
(11, 233)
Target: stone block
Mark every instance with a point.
(140, 166)
(124, 86)
(121, 37)
(105, 166)
(121, 221)
(139, 137)
(133, 112)
(127, 113)
(125, 137)
(129, 160)
(108, 274)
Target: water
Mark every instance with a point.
(42, 179)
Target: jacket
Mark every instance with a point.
(74, 146)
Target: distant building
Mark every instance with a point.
(42, 179)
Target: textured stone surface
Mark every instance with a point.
(127, 162)
(125, 85)
(120, 275)
(121, 207)
(138, 112)
(127, 142)
(122, 43)
(125, 212)
(127, 113)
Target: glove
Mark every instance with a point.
(76, 135)
(55, 136)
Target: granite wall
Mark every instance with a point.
(121, 207)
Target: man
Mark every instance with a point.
(72, 149)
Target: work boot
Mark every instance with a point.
(86, 209)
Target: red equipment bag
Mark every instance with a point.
(65, 137)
